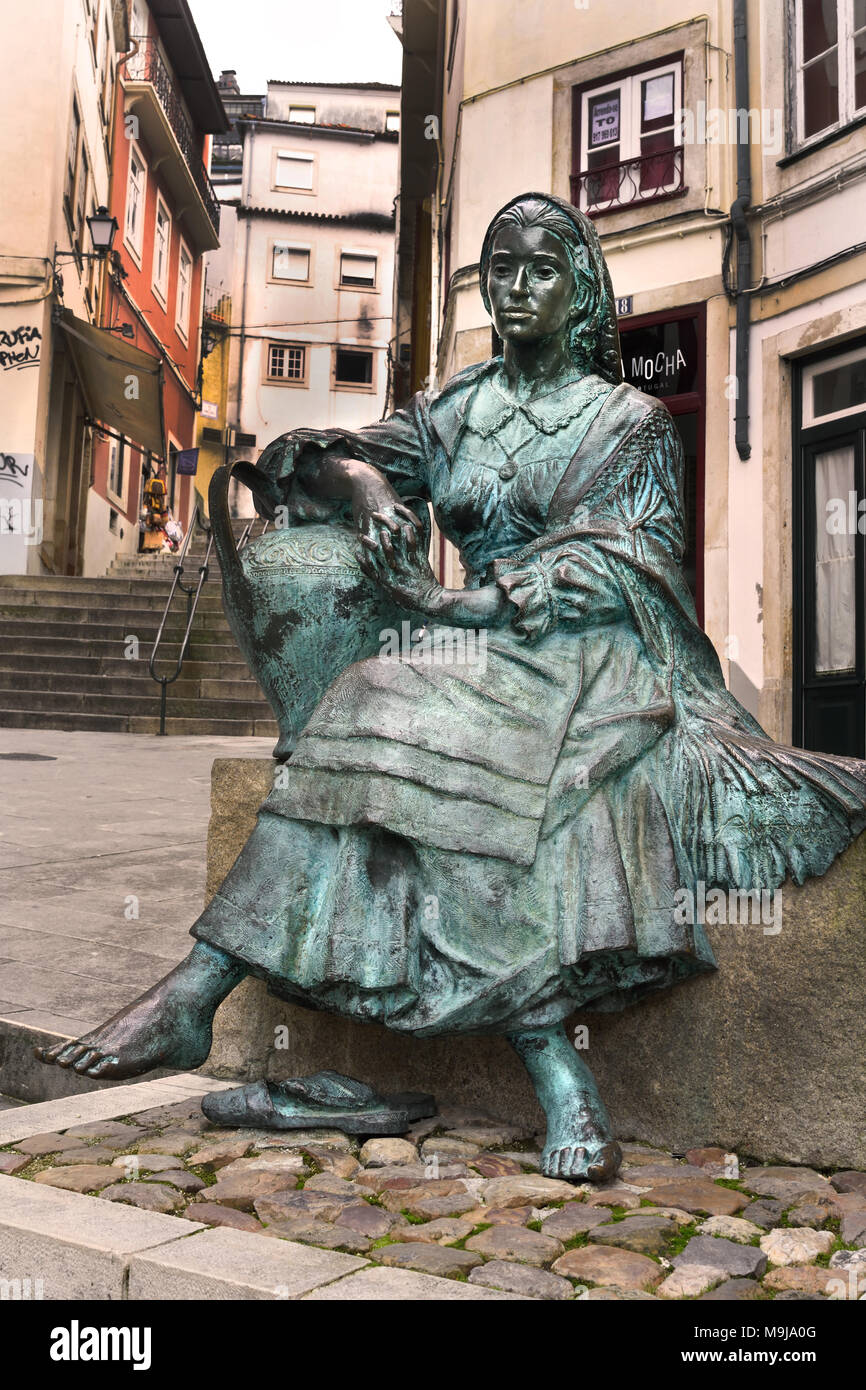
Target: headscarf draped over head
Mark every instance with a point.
(594, 338)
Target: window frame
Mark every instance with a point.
(848, 114)
(161, 290)
(181, 328)
(301, 382)
(308, 158)
(392, 115)
(825, 433)
(366, 388)
(117, 495)
(73, 147)
(83, 178)
(818, 367)
(359, 253)
(136, 249)
(275, 279)
(626, 79)
(107, 87)
(297, 106)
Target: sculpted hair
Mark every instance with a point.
(593, 337)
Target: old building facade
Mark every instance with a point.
(721, 157)
(307, 259)
(168, 217)
(103, 350)
(61, 128)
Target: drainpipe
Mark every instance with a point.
(741, 232)
(246, 200)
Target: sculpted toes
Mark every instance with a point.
(104, 1067)
(70, 1054)
(86, 1059)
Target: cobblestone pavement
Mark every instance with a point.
(461, 1197)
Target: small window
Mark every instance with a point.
(302, 115)
(94, 31)
(72, 158)
(357, 270)
(287, 362)
(295, 171)
(116, 463)
(290, 262)
(135, 188)
(834, 388)
(81, 198)
(353, 367)
(138, 20)
(161, 250)
(107, 76)
(628, 139)
(184, 290)
(392, 120)
(831, 64)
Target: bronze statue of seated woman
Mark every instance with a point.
(485, 843)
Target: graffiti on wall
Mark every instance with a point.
(19, 347)
(13, 470)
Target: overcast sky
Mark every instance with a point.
(299, 41)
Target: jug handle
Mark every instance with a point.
(262, 488)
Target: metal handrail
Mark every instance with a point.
(192, 597)
(245, 534)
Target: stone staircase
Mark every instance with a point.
(64, 644)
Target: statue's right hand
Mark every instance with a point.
(377, 508)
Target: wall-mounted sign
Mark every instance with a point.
(210, 410)
(187, 462)
(604, 120)
(662, 358)
(623, 306)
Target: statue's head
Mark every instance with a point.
(543, 274)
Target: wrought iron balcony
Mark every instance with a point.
(147, 65)
(642, 180)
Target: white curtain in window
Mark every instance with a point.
(835, 610)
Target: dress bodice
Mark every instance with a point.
(506, 463)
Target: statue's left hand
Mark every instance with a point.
(393, 555)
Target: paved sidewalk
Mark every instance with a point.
(100, 828)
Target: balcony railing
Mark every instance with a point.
(147, 66)
(642, 180)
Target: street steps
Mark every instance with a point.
(66, 661)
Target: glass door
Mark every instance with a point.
(830, 563)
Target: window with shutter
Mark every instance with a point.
(295, 171)
(290, 262)
(357, 270)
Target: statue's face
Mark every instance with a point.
(530, 283)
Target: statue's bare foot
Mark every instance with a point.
(578, 1147)
(169, 1026)
(579, 1143)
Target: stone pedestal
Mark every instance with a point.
(765, 1058)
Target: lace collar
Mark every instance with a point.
(489, 409)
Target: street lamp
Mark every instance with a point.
(103, 228)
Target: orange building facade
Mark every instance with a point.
(167, 216)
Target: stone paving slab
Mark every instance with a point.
(225, 1264)
(386, 1285)
(51, 1115)
(78, 1246)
